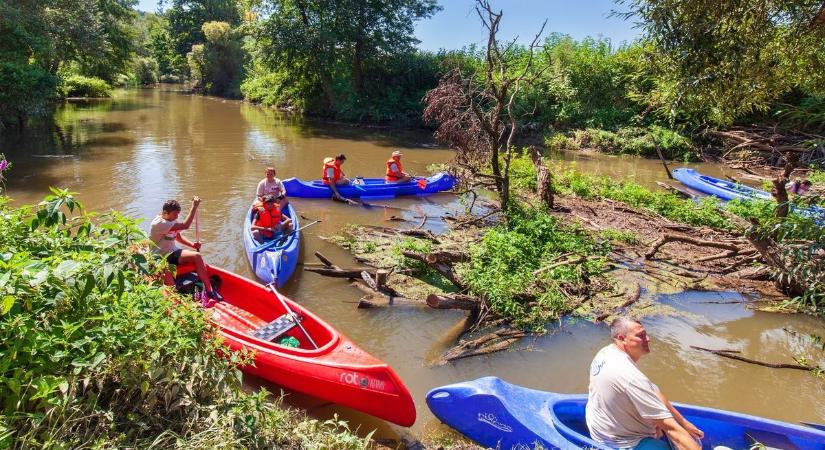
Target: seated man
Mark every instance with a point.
(624, 408)
(165, 232)
(333, 175)
(272, 185)
(268, 220)
(395, 172)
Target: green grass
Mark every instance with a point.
(704, 212)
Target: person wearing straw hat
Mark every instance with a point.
(395, 171)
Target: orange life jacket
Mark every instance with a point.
(268, 219)
(329, 163)
(393, 176)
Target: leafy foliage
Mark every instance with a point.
(80, 86)
(217, 65)
(744, 56)
(503, 264)
(93, 351)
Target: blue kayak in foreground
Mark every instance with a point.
(501, 415)
(276, 263)
(727, 190)
(372, 187)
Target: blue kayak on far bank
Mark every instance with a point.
(372, 187)
(501, 415)
(728, 190)
(277, 263)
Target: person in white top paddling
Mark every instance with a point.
(624, 408)
(272, 186)
(165, 233)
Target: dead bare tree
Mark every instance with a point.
(476, 113)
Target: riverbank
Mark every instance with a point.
(591, 256)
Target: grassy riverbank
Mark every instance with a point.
(95, 355)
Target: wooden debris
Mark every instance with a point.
(336, 273)
(441, 268)
(728, 354)
(698, 242)
(489, 343)
(454, 301)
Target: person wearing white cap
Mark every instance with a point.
(395, 171)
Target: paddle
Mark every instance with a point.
(197, 230)
(278, 239)
(291, 314)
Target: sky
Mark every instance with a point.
(457, 24)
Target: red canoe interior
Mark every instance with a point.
(249, 306)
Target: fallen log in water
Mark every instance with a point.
(446, 256)
(380, 301)
(453, 301)
(336, 273)
(633, 298)
(489, 343)
(728, 354)
(441, 268)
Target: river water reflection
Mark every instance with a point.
(144, 147)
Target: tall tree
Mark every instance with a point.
(319, 39)
(186, 18)
(720, 60)
(477, 113)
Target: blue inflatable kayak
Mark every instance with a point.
(372, 187)
(727, 190)
(501, 415)
(276, 263)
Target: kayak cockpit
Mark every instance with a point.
(252, 313)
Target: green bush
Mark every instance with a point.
(94, 354)
(503, 264)
(146, 71)
(80, 86)
(637, 141)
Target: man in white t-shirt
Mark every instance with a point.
(624, 408)
(273, 186)
(165, 232)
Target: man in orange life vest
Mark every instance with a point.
(395, 172)
(333, 175)
(268, 220)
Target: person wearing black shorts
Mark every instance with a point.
(165, 233)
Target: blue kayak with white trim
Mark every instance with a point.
(501, 415)
(371, 187)
(277, 263)
(727, 190)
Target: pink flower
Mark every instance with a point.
(3, 164)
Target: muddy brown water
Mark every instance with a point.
(144, 147)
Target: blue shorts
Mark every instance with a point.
(650, 443)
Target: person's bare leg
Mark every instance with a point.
(256, 235)
(189, 256)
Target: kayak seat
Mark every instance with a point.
(275, 329)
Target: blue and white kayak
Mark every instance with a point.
(501, 415)
(275, 264)
(722, 189)
(372, 187)
(727, 190)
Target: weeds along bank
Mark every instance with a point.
(93, 354)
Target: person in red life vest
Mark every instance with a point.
(268, 220)
(333, 175)
(395, 171)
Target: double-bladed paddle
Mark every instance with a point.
(289, 311)
(277, 240)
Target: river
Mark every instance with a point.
(136, 151)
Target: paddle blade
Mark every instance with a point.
(422, 183)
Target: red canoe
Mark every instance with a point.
(338, 371)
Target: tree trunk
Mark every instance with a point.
(780, 194)
(358, 54)
(453, 301)
(544, 184)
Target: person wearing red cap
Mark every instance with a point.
(395, 171)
